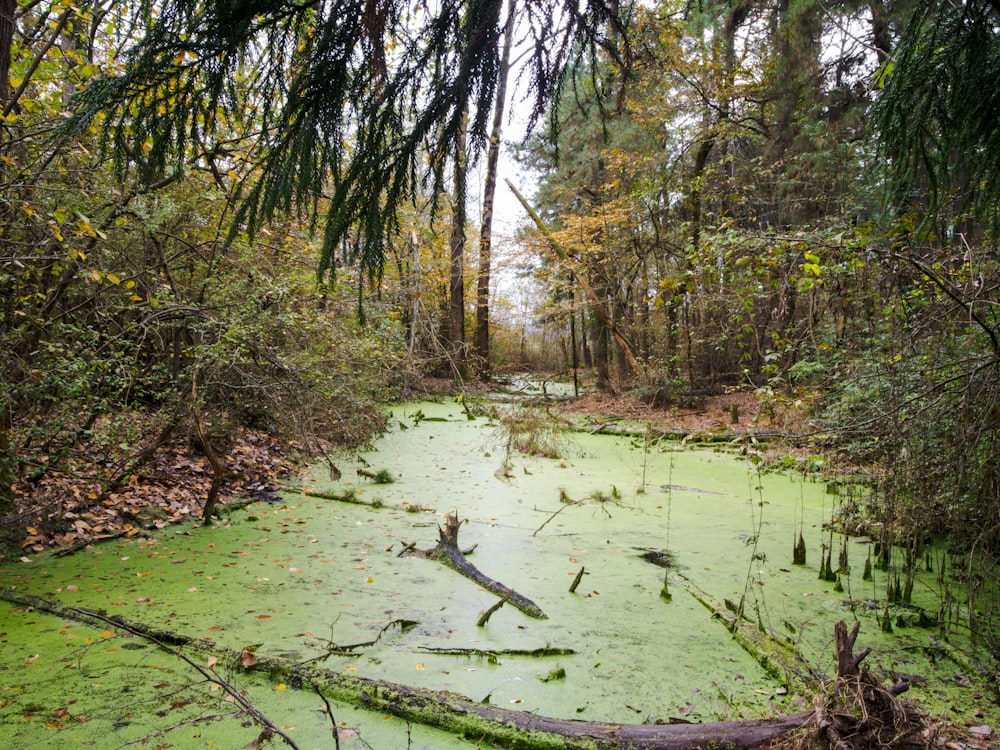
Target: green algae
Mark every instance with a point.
(299, 579)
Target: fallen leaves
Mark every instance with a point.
(171, 488)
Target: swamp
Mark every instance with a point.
(500, 373)
(672, 537)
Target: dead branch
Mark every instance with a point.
(485, 616)
(448, 553)
(162, 640)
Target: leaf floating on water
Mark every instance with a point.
(212, 661)
(247, 659)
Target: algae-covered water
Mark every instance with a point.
(308, 575)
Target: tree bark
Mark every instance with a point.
(7, 23)
(450, 711)
(456, 302)
(481, 347)
(7, 462)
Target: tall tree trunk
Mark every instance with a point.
(725, 48)
(574, 359)
(481, 343)
(796, 89)
(456, 304)
(7, 10)
(7, 24)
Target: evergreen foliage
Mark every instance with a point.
(356, 104)
(938, 115)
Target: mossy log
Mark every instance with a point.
(448, 553)
(778, 657)
(450, 711)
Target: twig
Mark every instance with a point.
(408, 548)
(485, 616)
(160, 732)
(576, 581)
(208, 674)
(329, 712)
(564, 507)
(333, 648)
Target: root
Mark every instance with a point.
(857, 712)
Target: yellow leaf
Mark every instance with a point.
(280, 686)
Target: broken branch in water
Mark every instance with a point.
(448, 553)
(334, 649)
(160, 640)
(485, 616)
(564, 507)
(535, 653)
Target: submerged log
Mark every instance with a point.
(449, 711)
(448, 553)
(776, 656)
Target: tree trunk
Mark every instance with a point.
(6, 463)
(481, 342)
(456, 304)
(7, 10)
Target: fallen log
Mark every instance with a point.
(776, 656)
(445, 710)
(448, 553)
